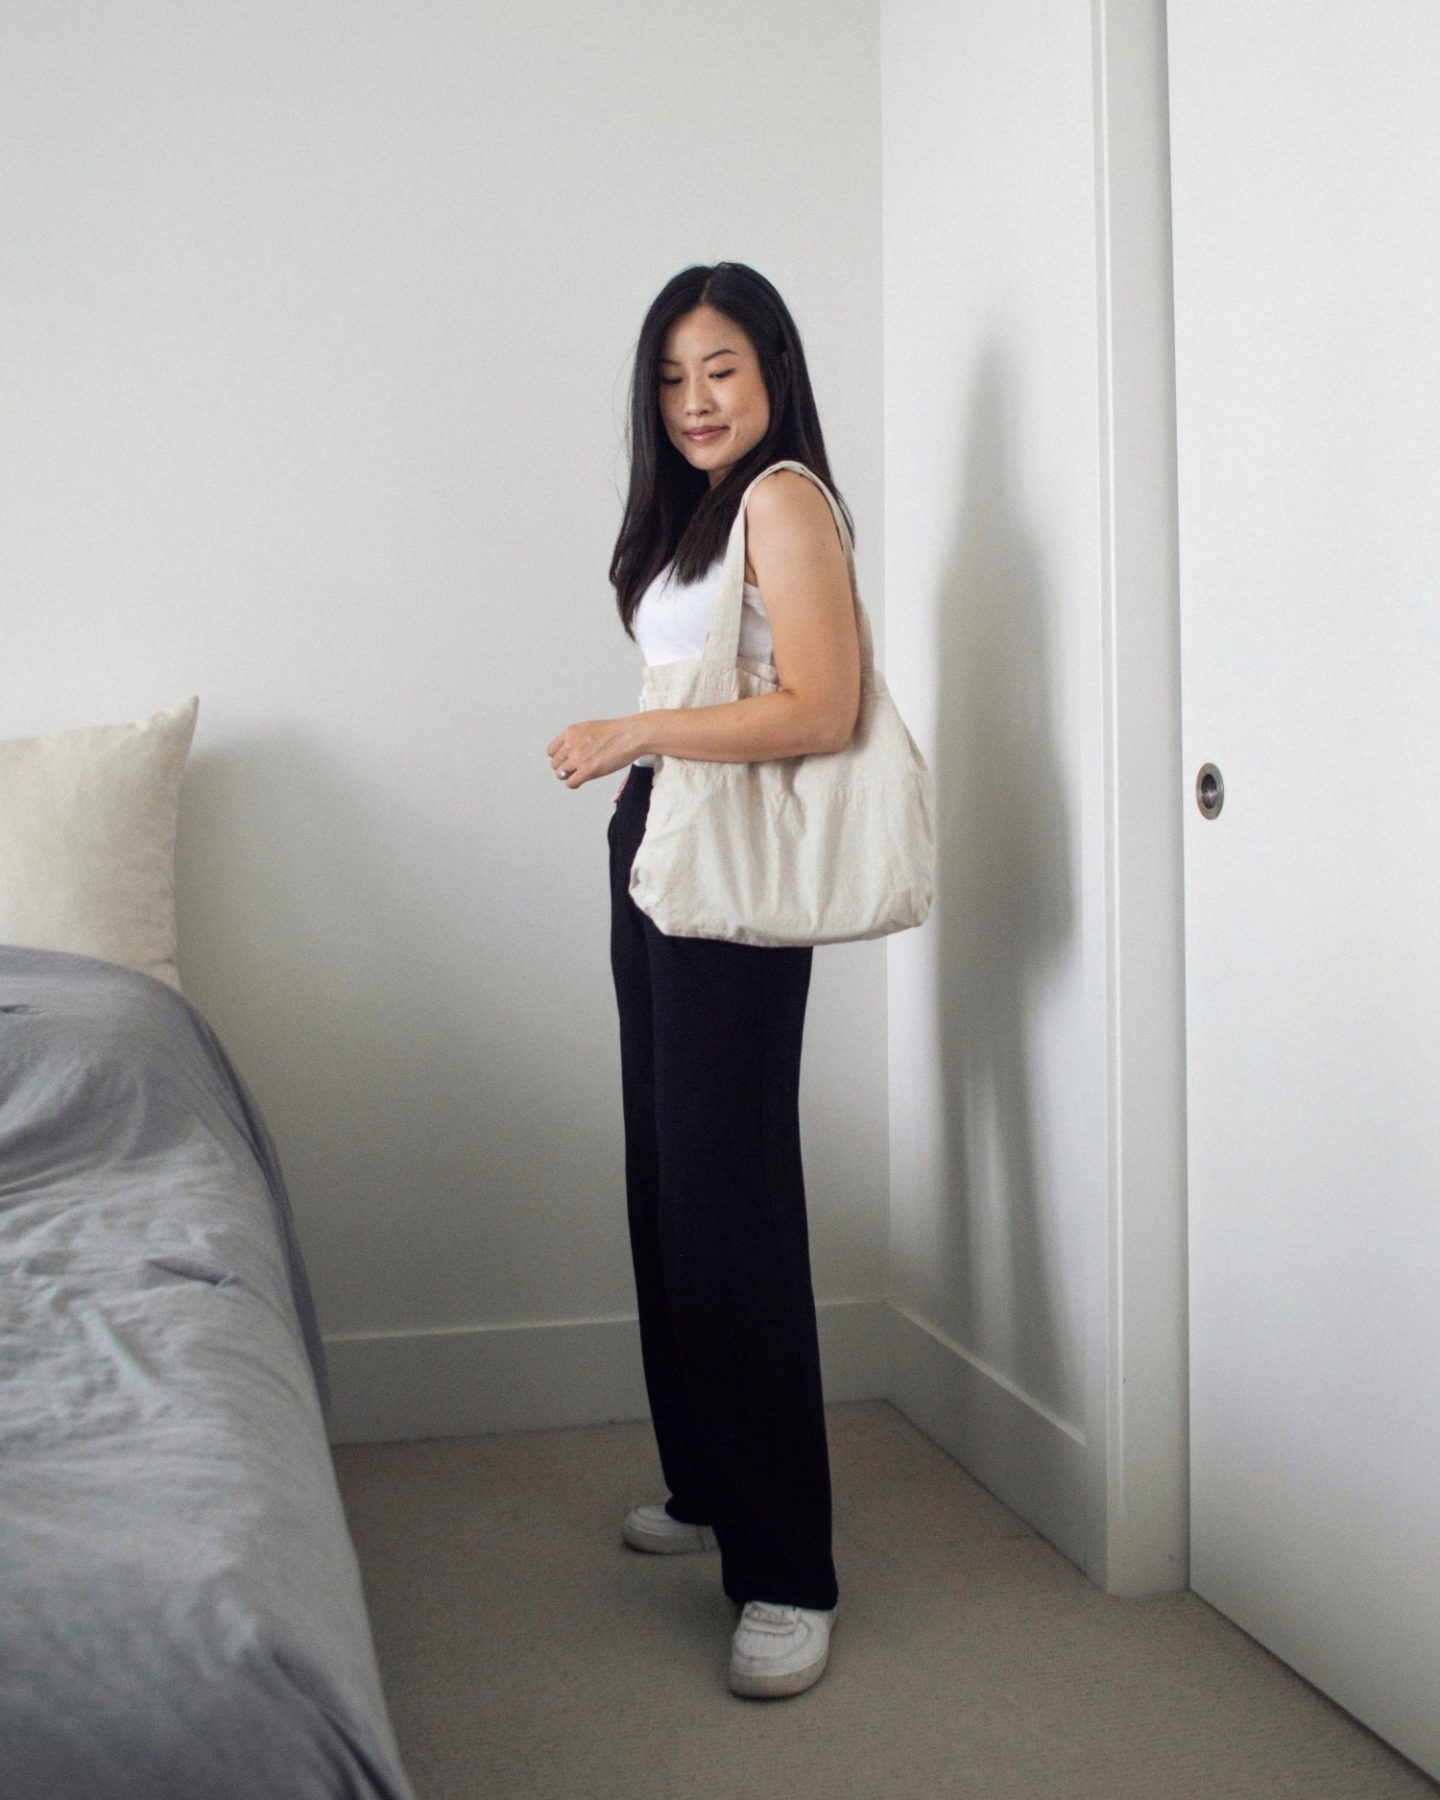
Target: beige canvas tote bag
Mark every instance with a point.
(816, 849)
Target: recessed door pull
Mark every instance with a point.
(1209, 790)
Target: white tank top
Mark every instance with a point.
(672, 619)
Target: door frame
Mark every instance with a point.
(1138, 1356)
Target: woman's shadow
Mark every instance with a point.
(1005, 915)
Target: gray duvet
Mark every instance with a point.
(180, 1605)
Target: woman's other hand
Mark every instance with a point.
(592, 748)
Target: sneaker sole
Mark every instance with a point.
(687, 1540)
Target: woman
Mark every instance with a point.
(710, 1031)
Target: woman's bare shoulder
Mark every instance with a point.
(788, 487)
(790, 515)
(791, 531)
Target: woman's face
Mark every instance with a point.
(710, 380)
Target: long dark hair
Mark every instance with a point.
(672, 512)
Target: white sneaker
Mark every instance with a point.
(779, 1650)
(650, 1527)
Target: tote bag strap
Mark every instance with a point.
(722, 643)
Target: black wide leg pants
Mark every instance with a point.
(710, 1037)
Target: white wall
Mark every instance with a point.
(992, 562)
(318, 326)
(1035, 1274)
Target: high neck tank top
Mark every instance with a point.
(673, 617)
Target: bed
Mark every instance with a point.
(180, 1606)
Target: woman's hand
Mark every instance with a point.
(592, 748)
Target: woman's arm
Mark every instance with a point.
(801, 572)
(751, 730)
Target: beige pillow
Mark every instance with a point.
(87, 840)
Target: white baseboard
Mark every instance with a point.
(1036, 1463)
(393, 1385)
(390, 1385)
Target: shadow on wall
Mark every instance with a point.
(1005, 910)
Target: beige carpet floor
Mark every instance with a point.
(527, 1651)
